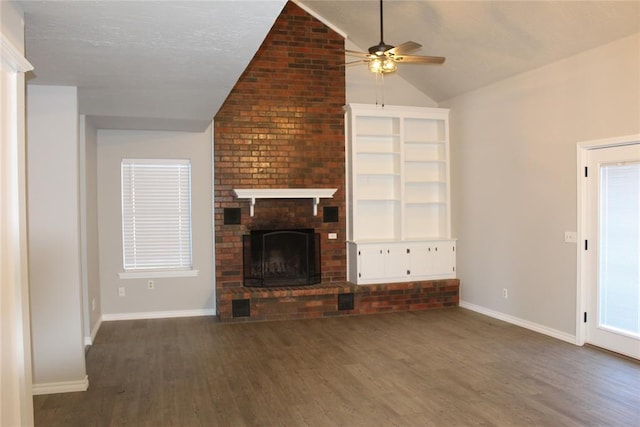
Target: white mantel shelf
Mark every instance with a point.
(284, 193)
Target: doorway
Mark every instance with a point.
(609, 247)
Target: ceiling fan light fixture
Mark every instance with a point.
(389, 65)
(382, 65)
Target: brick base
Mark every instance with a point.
(322, 300)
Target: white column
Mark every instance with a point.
(54, 239)
(16, 404)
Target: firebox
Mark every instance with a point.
(288, 257)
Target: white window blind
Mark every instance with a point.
(156, 214)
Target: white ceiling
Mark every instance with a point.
(146, 64)
(170, 64)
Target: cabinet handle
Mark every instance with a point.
(408, 250)
(380, 251)
(408, 272)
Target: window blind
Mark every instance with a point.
(156, 214)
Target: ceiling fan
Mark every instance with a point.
(383, 58)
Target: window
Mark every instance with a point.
(156, 215)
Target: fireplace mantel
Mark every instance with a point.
(284, 193)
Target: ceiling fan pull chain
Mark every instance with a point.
(382, 88)
(377, 90)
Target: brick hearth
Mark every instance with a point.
(322, 300)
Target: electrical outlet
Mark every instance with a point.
(570, 237)
(505, 293)
(150, 284)
(121, 291)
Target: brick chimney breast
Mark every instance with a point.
(282, 126)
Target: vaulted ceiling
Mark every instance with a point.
(170, 64)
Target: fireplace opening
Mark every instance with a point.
(281, 257)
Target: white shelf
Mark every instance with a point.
(284, 193)
(424, 144)
(425, 161)
(398, 191)
(378, 135)
(399, 171)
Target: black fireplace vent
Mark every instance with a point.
(274, 258)
(346, 301)
(241, 308)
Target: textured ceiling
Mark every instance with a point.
(483, 41)
(146, 64)
(170, 64)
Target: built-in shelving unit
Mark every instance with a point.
(397, 189)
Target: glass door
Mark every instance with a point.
(614, 249)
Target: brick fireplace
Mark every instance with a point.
(282, 126)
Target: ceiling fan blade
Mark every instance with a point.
(405, 47)
(361, 61)
(420, 59)
(356, 53)
(351, 64)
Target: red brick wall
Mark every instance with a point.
(282, 126)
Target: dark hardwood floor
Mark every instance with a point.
(448, 367)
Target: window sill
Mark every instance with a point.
(157, 274)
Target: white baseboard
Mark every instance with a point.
(159, 314)
(571, 339)
(94, 332)
(61, 387)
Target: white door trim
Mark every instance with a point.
(583, 149)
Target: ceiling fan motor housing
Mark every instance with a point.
(380, 48)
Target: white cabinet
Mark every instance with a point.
(369, 262)
(397, 189)
(401, 261)
(376, 261)
(433, 259)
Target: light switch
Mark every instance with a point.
(570, 237)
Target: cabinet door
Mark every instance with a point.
(419, 260)
(396, 262)
(432, 259)
(443, 259)
(370, 262)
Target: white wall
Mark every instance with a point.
(171, 296)
(361, 87)
(16, 403)
(513, 148)
(89, 229)
(54, 239)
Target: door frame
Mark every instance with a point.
(583, 149)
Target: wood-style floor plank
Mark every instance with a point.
(447, 367)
